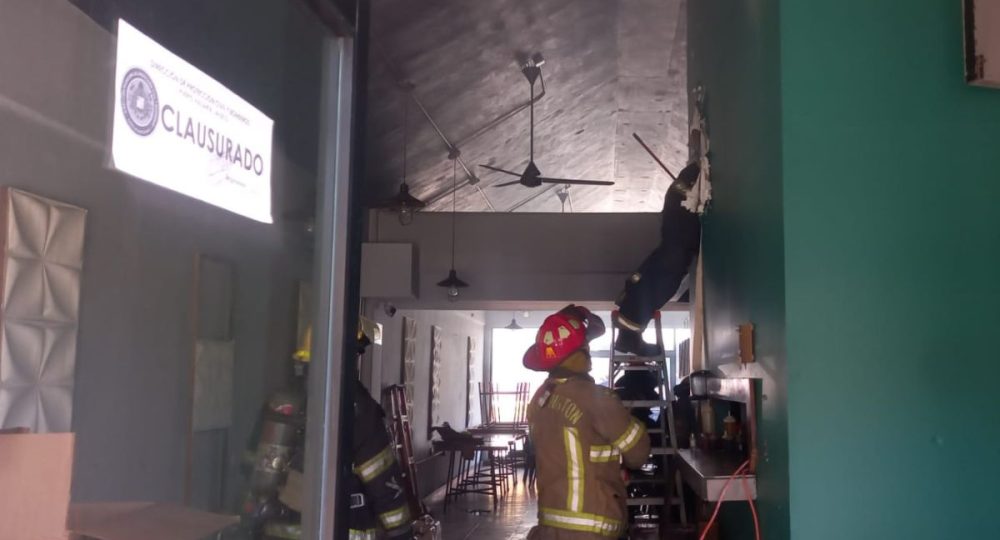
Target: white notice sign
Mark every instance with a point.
(177, 127)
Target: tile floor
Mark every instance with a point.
(514, 517)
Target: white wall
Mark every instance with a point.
(518, 261)
(456, 326)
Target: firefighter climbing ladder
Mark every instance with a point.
(665, 453)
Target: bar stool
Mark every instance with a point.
(474, 468)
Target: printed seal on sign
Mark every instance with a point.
(140, 102)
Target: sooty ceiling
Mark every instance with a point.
(612, 67)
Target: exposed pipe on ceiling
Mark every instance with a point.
(504, 117)
(453, 150)
(541, 192)
(492, 124)
(485, 198)
(439, 197)
(471, 178)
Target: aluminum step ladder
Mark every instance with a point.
(665, 454)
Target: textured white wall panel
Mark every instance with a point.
(39, 312)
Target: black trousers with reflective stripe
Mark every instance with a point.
(659, 276)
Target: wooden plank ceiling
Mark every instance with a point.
(612, 67)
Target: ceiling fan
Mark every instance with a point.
(532, 176)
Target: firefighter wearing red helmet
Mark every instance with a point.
(582, 435)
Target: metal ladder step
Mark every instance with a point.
(648, 480)
(629, 358)
(652, 369)
(650, 501)
(661, 366)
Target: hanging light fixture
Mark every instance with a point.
(403, 203)
(513, 323)
(452, 282)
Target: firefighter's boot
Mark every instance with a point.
(630, 341)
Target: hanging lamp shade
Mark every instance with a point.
(402, 202)
(513, 324)
(452, 282)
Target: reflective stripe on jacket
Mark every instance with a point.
(367, 534)
(377, 474)
(582, 433)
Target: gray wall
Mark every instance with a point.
(522, 261)
(457, 326)
(136, 336)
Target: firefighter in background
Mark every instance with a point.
(276, 460)
(582, 434)
(378, 500)
(375, 483)
(639, 386)
(660, 275)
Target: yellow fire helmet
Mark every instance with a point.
(304, 353)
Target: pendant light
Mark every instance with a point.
(402, 202)
(452, 282)
(513, 323)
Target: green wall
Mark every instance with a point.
(891, 173)
(734, 53)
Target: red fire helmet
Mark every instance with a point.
(561, 335)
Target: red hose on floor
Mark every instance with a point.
(722, 497)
